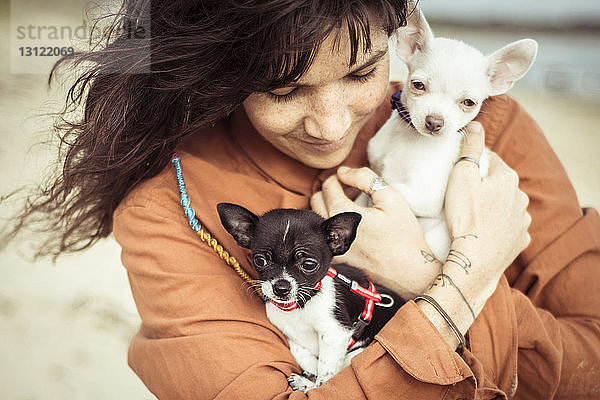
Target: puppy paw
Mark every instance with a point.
(301, 383)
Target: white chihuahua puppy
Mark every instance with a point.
(447, 82)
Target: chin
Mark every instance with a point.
(326, 161)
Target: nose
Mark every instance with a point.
(329, 117)
(282, 288)
(433, 123)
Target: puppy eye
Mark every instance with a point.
(468, 103)
(260, 261)
(309, 265)
(418, 85)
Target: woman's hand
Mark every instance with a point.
(487, 220)
(487, 217)
(390, 245)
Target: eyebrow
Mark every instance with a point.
(373, 60)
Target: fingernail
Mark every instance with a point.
(343, 170)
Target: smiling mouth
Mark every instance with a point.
(326, 146)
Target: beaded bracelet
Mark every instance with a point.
(435, 304)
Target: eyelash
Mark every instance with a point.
(280, 98)
(364, 77)
(356, 78)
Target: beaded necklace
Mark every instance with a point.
(204, 235)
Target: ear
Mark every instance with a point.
(238, 221)
(509, 64)
(414, 36)
(340, 231)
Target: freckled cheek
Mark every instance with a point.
(368, 98)
(275, 121)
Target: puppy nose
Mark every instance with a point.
(433, 123)
(282, 288)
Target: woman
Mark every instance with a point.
(263, 101)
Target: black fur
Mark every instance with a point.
(350, 305)
(310, 239)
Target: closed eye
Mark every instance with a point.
(361, 74)
(282, 95)
(363, 77)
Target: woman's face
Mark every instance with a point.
(316, 119)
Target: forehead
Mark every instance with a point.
(462, 68)
(288, 228)
(332, 60)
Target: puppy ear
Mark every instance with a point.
(340, 231)
(238, 221)
(509, 64)
(414, 36)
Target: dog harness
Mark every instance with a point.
(370, 294)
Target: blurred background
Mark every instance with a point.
(65, 327)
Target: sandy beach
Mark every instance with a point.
(65, 327)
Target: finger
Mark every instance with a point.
(473, 141)
(318, 205)
(472, 147)
(361, 179)
(496, 163)
(334, 198)
(500, 172)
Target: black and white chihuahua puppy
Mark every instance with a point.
(328, 314)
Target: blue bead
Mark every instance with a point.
(190, 213)
(185, 200)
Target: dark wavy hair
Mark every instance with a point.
(187, 64)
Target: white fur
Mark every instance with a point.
(287, 228)
(418, 163)
(317, 340)
(267, 286)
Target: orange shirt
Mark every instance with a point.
(205, 335)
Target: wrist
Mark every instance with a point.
(454, 302)
(437, 316)
(409, 274)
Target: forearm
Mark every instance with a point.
(460, 295)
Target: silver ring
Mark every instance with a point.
(470, 159)
(377, 184)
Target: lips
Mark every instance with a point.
(326, 147)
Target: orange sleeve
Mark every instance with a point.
(556, 280)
